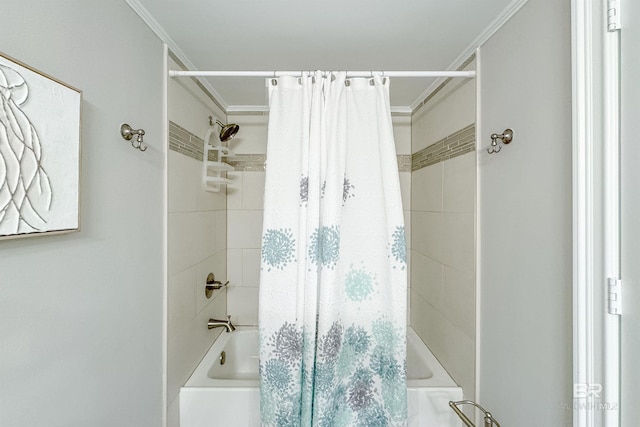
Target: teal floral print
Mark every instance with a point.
(277, 375)
(357, 338)
(399, 246)
(324, 248)
(358, 284)
(347, 190)
(358, 379)
(278, 248)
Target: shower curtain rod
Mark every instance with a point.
(177, 73)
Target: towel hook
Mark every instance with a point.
(506, 137)
(128, 133)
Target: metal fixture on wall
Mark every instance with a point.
(506, 137)
(227, 131)
(128, 133)
(213, 285)
(488, 419)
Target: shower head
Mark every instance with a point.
(227, 131)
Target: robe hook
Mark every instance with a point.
(128, 133)
(506, 137)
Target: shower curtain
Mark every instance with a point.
(333, 274)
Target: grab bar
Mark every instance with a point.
(489, 421)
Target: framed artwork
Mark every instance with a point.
(39, 152)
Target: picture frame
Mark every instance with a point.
(40, 152)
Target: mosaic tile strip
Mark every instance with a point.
(256, 162)
(404, 162)
(454, 145)
(184, 142)
(247, 162)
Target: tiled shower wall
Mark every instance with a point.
(442, 302)
(245, 202)
(196, 239)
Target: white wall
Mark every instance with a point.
(81, 328)
(197, 242)
(443, 199)
(630, 214)
(525, 213)
(245, 208)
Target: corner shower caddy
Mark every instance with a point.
(212, 171)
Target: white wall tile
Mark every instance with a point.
(234, 190)
(252, 137)
(402, 133)
(405, 189)
(407, 228)
(196, 243)
(181, 301)
(208, 200)
(215, 264)
(234, 267)
(253, 190)
(251, 267)
(220, 237)
(244, 228)
(459, 184)
(428, 324)
(443, 236)
(427, 229)
(243, 305)
(181, 253)
(459, 352)
(182, 182)
(426, 189)
(445, 114)
(458, 241)
(458, 302)
(173, 413)
(427, 279)
(187, 348)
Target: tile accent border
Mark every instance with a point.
(184, 142)
(248, 162)
(404, 162)
(454, 145)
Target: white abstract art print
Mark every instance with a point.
(39, 152)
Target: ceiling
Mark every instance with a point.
(262, 35)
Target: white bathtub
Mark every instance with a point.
(228, 395)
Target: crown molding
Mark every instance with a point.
(491, 29)
(159, 31)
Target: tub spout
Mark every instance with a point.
(213, 323)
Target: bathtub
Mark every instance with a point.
(228, 395)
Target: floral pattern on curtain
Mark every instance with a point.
(333, 279)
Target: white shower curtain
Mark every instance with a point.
(333, 279)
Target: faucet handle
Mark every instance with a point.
(229, 318)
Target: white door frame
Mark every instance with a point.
(596, 201)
